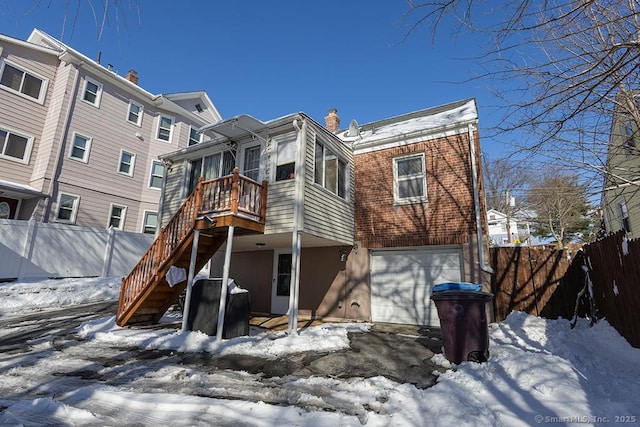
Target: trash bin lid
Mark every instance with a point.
(461, 295)
(457, 286)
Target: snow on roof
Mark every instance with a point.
(433, 119)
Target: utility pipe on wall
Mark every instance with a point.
(476, 200)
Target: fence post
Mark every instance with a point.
(108, 252)
(27, 250)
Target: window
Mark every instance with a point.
(194, 136)
(330, 172)
(251, 162)
(286, 159)
(67, 208)
(92, 92)
(127, 162)
(624, 216)
(157, 172)
(409, 178)
(14, 146)
(211, 167)
(165, 128)
(116, 216)
(150, 222)
(22, 82)
(135, 113)
(80, 148)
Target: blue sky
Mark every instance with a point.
(271, 58)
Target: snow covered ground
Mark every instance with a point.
(540, 372)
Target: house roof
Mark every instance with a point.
(41, 40)
(13, 189)
(396, 130)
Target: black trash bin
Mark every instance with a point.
(463, 321)
(205, 305)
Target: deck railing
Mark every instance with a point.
(232, 194)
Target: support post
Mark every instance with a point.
(192, 270)
(225, 280)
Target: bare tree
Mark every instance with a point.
(561, 69)
(107, 14)
(505, 177)
(561, 206)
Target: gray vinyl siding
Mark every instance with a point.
(327, 215)
(21, 114)
(280, 198)
(172, 191)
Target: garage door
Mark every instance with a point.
(401, 283)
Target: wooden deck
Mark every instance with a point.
(212, 208)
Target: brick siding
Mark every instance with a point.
(447, 217)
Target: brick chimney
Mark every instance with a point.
(132, 76)
(332, 121)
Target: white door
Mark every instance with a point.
(281, 281)
(401, 283)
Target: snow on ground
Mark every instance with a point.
(540, 372)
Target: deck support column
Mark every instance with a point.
(224, 286)
(192, 271)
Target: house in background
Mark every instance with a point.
(358, 223)
(519, 228)
(621, 195)
(79, 144)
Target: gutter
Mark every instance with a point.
(476, 201)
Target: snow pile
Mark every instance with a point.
(56, 293)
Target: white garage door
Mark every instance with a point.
(401, 283)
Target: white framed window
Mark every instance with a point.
(165, 128)
(67, 208)
(285, 157)
(127, 163)
(22, 82)
(156, 174)
(80, 147)
(409, 179)
(329, 171)
(14, 146)
(625, 223)
(134, 114)
(194, 136)
(92, 92)
(116, 216)
(150, 222)
(251, 162)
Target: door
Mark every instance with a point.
(281, 282)
(401, 283)
(8, 208)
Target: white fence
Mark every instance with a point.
(33, 250)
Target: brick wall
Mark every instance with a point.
(447, 217)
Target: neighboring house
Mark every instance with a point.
(364, 222)
(621, 194)
(79, 144)
(518, 228)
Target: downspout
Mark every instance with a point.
(476, 200)
(298, 212)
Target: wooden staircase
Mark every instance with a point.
(213, 206)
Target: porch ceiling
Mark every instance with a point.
(258, 242)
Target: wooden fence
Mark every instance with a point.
(615, 273)
(533, 280)
(546, 282)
